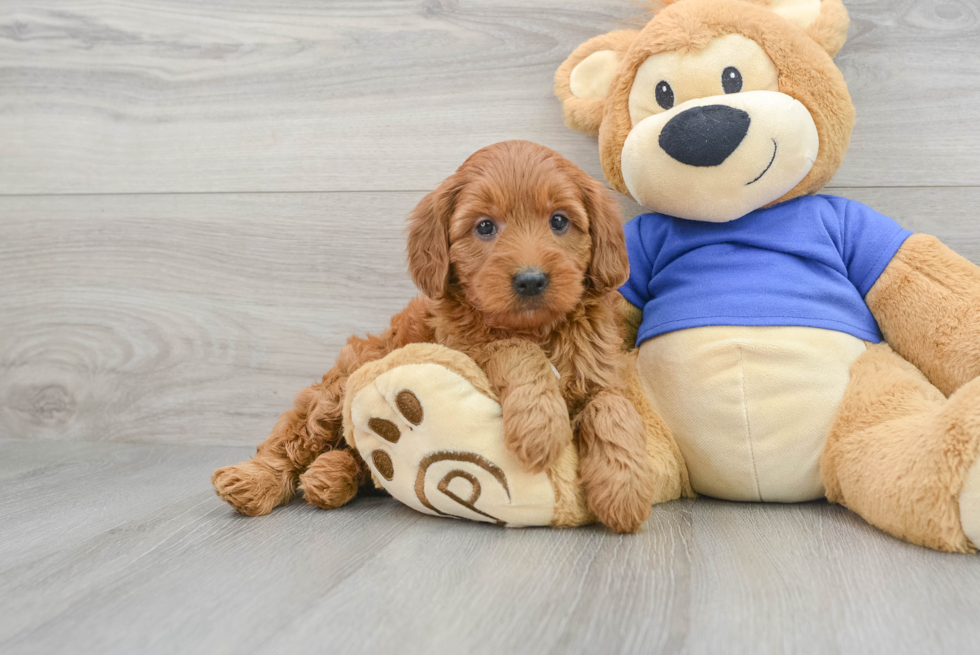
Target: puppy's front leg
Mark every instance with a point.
(537, 428)
(615, 468)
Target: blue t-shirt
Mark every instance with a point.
(806, 262)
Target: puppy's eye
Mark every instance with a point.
(559, 223)
(486, 228)
(731, 80)
(665, 95)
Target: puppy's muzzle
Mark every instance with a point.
(530, 282)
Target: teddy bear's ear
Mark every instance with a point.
(825, 21)
(584, 79)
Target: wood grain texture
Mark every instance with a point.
(195, 318)
(150, 561)
(185, 318)
(301, 95)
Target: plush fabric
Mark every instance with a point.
(671, 473)
(900, 451)
(750, 407)
(691, 163)
(585, 113)
(829, 28)
(927, 279)
(593, 75)
(824, 21)
(806, 73)
(969, 502)
(695, 75)
(453, 462)
(806, 262)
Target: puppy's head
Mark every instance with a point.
(520, 233)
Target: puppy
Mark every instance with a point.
(518, 256)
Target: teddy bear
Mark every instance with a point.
(798, 346)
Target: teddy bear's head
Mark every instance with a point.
(716, 107)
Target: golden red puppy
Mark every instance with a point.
(518, 255)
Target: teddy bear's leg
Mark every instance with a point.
(900, 453)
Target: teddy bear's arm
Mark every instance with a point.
(927, 304)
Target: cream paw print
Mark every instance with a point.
(435, 442)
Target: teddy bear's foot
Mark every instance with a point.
(331, 480)
(253, 488)
(969, 397)
(970, 505)
(904, 456)
(426, 424)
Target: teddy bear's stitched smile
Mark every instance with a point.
(775, 149)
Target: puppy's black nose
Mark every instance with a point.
(530, 282)
(704, 136)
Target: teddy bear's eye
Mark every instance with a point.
(665, 95)
(731, 80)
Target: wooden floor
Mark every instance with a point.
(123, 548)
(201, 199)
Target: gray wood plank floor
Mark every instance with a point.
(201, 199)
(123, 548)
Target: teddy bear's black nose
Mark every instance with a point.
(530, 282)
(704, 136)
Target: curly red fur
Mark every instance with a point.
(469, 304)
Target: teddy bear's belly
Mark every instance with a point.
(750, 407)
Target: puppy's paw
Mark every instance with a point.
(620, 497)
(536, 427)
(617, 473)
(252, 488)
(331, 480)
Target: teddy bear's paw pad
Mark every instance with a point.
(970, 505)
(436, 443)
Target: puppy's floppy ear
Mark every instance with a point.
(584, 79)
(428, 238)
(609, 268)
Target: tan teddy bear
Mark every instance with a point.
(798, 346)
